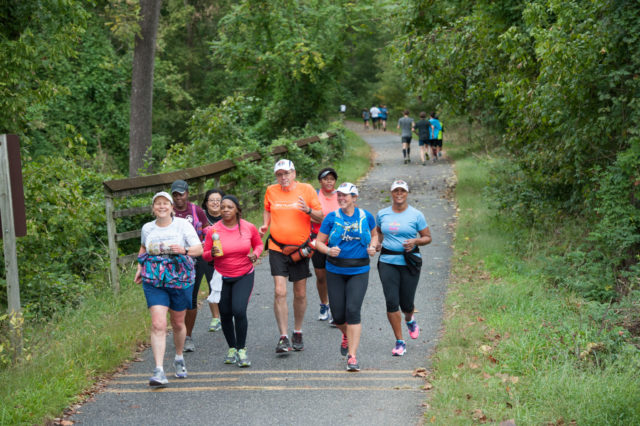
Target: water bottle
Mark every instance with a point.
(217, 243)
(306, 250)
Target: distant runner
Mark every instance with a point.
(405, 124)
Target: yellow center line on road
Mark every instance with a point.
(327, 379)
(280, 379)
(263, 388)
(189, 380)
(249, 372)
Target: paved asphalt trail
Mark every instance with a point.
(312, 386)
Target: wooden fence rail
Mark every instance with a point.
(121, 188)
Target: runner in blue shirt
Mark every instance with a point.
(348, 237)
(383, 117)
(401, 229)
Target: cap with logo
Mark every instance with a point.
(400, 184)
(283, 164)
(348, 188)
(179, 186)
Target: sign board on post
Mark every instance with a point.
(17, 191)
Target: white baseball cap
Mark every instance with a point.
(348, 188)
(162, 194)
(283, 164)
(400, 184)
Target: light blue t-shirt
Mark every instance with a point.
(396, 229)
(350, 246)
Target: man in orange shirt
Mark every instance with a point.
(289, 208)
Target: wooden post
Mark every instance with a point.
(113, 246)
(9, 242)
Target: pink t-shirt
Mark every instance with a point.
(236, 248)
(329, 204)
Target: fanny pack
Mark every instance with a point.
(295, 253)
(414, 263)
(348, 263)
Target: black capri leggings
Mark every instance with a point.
(234, 299)
(346, 293)
(399, 286)
(202, 269)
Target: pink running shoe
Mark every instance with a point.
(352, 363)
(344, 346)
(400, 349)
(414, 329)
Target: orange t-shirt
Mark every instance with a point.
(329, 204)
(289, 225)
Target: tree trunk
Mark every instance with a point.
(142, 86)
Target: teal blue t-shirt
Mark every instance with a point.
(396, 229)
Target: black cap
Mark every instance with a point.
(179, 186)
(233, 199)
(327, 171)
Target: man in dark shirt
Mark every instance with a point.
(422, 130)
(195, 215)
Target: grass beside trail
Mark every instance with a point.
(68, 355)
(513, 347)
(69, 352)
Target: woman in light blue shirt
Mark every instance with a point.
(401, 229)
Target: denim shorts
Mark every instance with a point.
(176, 299)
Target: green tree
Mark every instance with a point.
(289, 55)
(34, 38)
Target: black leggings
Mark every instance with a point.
(202, 269)
(234, 299)
(346, 293)
(399, 286)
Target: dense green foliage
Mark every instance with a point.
(559, 78)
(514, 348)
(66, 78)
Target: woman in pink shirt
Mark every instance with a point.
(329, 200)
(234, 266)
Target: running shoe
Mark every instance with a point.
(242, 360)
(215, 324)
(159, 379)
(231, 357)
(414, 329)
(283, 345)
(352, 363)
(296, 339)
(344, 346)
(181, 369)
(332, 323)
(400, 349)
(188, 345)
(324, 312)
